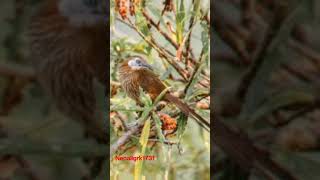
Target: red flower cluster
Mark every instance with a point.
(168, 123)
(122, 7)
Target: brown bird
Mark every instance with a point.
(135, 72)
(68, 42)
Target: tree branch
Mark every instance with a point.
(240, 148)
(16, 71)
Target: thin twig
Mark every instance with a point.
(225, 28)
(162, 52)
(243, 151)
(248, 10)
(125, 138)
(295, 72)
(165, 141)
(194, 72)
(260, 53)
(311, 54)
(16, 71)
(27, 168)
(188, 43)
(157, 27)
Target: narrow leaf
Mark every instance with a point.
(282, 100)
(158, 126)
(143, 142)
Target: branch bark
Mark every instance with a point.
(241, 149)
(17, 71)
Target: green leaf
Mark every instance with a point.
(141, 48)
(149, 105)
(145, 113)
(182, 123)
(143, 142)
(257, 90)
(158, 126)
(191, 89)
(197, 92)
(154, 9)
(180, 20)
(284, 33)
(159, 97)
(305, 166)
(167, 73)
(282, 100)
(145, 98)
(145, 135)
(197, 6)
(141, 22)
(205, 39)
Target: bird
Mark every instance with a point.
(68, 45)
(136, 73)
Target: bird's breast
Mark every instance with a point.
(131, 80)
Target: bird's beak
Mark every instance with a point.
(148, 66)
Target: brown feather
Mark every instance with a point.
(151, 83)
(67, 60)
(129, 81)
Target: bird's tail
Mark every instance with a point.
(188, 111)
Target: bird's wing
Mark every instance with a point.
(150, 83)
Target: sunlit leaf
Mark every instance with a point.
(180, 20)
(182, 124)
(143, 142)
(145, 98)
(141, 22)
(158, 126)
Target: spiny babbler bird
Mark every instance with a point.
(68, 41)
(135, 72)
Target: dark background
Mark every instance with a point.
(38, 140)
(265, 87)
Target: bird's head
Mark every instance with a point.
(84, 12)
(138, 63)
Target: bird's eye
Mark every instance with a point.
(138, 61)
(91, 3)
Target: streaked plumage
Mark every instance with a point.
(69, 52)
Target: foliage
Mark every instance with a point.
(37, 141)
(266, 66)
(174, 38)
